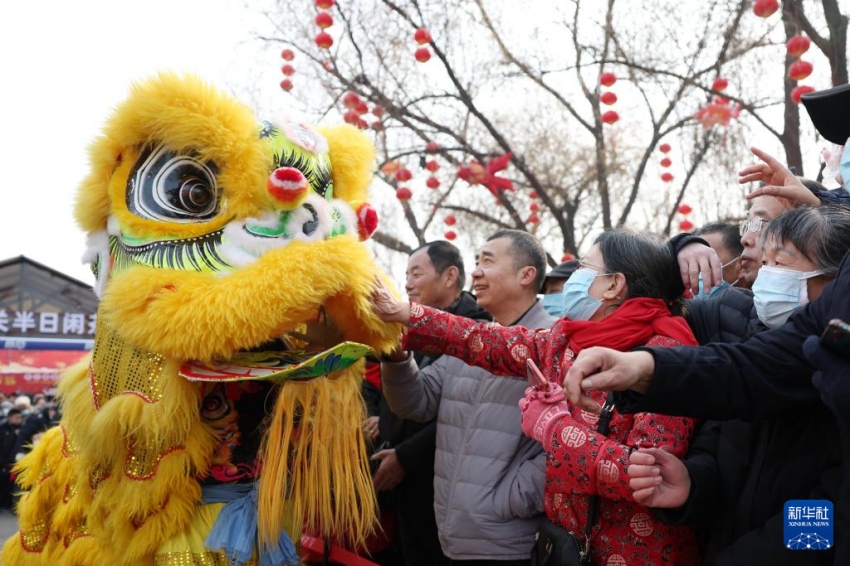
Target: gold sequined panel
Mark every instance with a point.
(143, 459)
(98, 475)
(70, 447)
(70, 491)
(118, 367)
(193, 559)
(79, 530)
(34, 538)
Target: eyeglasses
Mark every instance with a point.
(754, 225)
(600, 270)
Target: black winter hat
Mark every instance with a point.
(830, 112)
(563, 270)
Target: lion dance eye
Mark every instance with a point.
(166, 185)
(195, 195)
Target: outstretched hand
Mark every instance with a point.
(658, 478)
(697, 259)
(779, 181)
(603, 369)
(386, 306)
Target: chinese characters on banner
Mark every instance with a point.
(70, 324)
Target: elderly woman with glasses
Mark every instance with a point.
(626, 293)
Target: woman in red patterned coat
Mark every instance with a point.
(623, 295)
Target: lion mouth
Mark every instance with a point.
(316, 349)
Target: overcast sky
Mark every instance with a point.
(65, 65)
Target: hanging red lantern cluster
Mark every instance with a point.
(765, 8)
(608, 98)
(402, 175)
(288, 70)
(665, 162)
(324, 20)
(719, 112)
(422, 37)
(685, 225)
(799, 69)
(355, 109)
(477, 174)
(432, 166)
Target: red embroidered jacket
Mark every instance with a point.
(580, 461)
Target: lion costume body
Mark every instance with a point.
(212, 235)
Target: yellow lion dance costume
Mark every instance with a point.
(231, 273)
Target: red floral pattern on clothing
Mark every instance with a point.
(580, 461)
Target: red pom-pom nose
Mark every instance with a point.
(288, 186)
(367, 221)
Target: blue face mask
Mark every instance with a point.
(578, 304)
(778, 291)
(717, 288)
(553, 303)
(844, 167)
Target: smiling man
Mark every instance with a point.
(489, 477)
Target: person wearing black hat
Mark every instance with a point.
(553, 284)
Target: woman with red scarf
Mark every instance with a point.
(623, 295)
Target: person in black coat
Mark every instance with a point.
(768, 375)
(8, 440)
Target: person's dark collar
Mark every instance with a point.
(522, 316)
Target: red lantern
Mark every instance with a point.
(607, 79)
(287, 54)
(324, 40)
(610, 117)
(422, 36)
(666, 177)
(361, 108)
(450, 220)
(403, 193)
(567, 257)
(666, 162)
(403, 175)
(423, 54)
(798, 45)
(450, 235)
(664, 148)
(378, 111)
(286, 85)
(719, 84)
(324, 20)
(533, 195)
(799, 91)
(533, 219)
(765, 8)
(799, 70)
(684, 209)
(350, 100)
(288, 70)
(377, 125)
(351, 117)
(325, 4)
(608, 98)
(686, 225)
(432, 166)
(432, 183)
(432, 146)
(534, 207)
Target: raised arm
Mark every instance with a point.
(502, 350)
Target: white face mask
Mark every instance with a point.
(778, 291)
